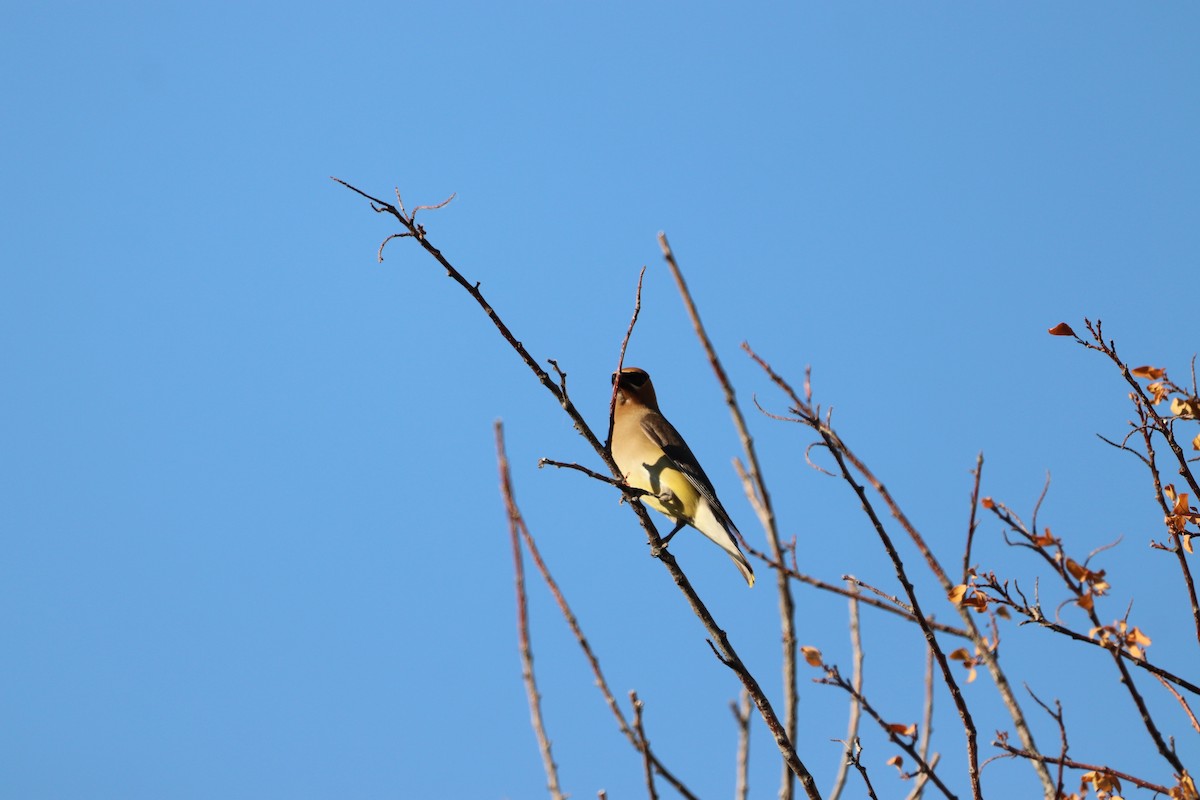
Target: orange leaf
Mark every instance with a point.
(1061, 329)
(957, 593)
(895, 761)
(813, 656)
(1153, 373)
(900, 729)
(960, 654)
(1077, 570)
(1045, 539)
(1196, 442)
(1087, 602)
(1187, 542)
(989, 503)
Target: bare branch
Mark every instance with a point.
(647, 761)
(839, 780)
(741, 712)
(1067, 762)
(515, 522)
(612, 400)
(854, 756)
(761, 501)
(971, 523)
(834, 678)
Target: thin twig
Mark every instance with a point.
(839, 780)
(639, 728)
(825, 586)
(971, 524)
(612, 400)
(854, 756)
(1034, 614)
(1071, 763)
(515, 523)
(741, 712)
(1057, 716)
(834, 678)
(1182, 702)
(926, 728)
(766, 514)
(632, 491)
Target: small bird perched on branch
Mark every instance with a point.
(653, 457)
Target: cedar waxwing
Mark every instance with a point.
(653, 456)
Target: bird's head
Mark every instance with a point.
(634, 386)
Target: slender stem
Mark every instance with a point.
(515, 522)
(766, 514)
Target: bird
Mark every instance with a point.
(652, 456)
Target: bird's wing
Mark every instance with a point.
(663, 433)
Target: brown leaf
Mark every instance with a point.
(989, 503)
(1153, 373)
(1159, 391)
(961, 654)
(900, 729)
(1045, 539)
(1061, 329)
(957, 593)
(813, 656)
(1196, 442)
(1077, 570)
(1185, 407)
(895, 761)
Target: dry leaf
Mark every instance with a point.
(1061, 329)
(989, 503)
(1159, 391)
(1153, 373)
(900, 729)
(1185, 407)
(813, 656)
(1045, 539)
(1186, 790)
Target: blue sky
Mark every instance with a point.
(253, 540)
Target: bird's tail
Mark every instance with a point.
(741, 563)
(724, 536)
